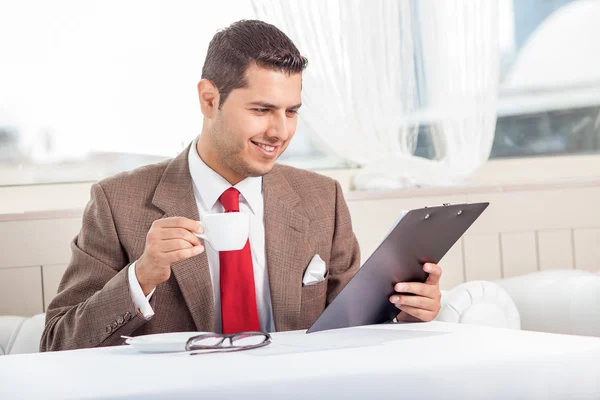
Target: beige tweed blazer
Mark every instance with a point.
(305, 214)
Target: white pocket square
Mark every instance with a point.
(315, 272)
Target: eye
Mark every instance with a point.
(292, 111)
(261, 110)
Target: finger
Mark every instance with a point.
(183, 254)
(423, 315)
(167, 246)
(178, 233)
(178, 222)
(424, 303)
(435, 273)
(418, 288)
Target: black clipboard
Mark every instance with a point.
(422, 235)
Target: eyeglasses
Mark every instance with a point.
(221, 343)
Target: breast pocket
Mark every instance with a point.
(314, 298)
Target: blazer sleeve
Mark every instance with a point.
(94, 306)
(345, 253)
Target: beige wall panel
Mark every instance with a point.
(372, 219)
(548, 209)
(21, 291)
(52, 275)
(555, 249)
(32, 198)
(519, 253)
(482, 257)
(501, 171)
(452, 265)
(37, 242)
(587, 249)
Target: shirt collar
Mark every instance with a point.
(209, 185)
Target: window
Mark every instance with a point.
(549, 100)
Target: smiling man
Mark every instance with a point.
(138, 267)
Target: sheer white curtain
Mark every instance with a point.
(379, 70)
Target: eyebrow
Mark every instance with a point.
(264, 104)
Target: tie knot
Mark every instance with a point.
(230, 200)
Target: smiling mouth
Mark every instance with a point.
(265, 147)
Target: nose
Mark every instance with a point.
(278, 128)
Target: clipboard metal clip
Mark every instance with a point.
(447, 204)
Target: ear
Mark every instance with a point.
(208, 95)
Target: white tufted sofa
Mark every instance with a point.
(556, 301)
(20, 334)
(480, 303)
(560, 301)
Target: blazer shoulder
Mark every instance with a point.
(139, 180)
(304, 180)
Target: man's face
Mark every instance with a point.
(255, 124)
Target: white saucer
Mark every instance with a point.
(162, 342)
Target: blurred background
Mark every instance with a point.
(434, 89)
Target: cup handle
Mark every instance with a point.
(201, 235)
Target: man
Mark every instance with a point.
(137, 266)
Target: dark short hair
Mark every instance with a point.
(233, 49)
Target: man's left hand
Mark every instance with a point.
(425, 303)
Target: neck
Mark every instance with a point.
(211, 158)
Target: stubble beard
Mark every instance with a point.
(230, 148)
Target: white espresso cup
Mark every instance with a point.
(226, 231)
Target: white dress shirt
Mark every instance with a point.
(208, 187)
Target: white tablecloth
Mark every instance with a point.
(433, 360)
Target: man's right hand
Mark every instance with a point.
(169, 240)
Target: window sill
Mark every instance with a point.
(494, 176)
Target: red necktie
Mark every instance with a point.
(238, 296)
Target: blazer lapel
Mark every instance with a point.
(286, 231)
(175, 196)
